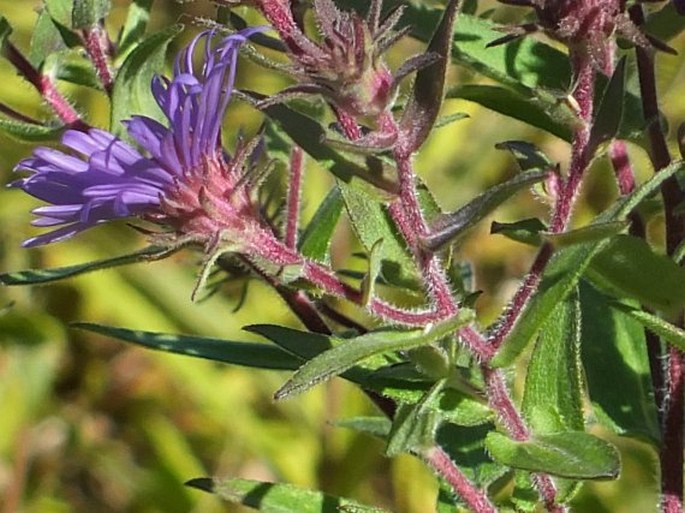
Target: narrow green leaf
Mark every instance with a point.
(316, 240)
(278, 498)
(451, 227)
(80, 72)
(571, 454)
(664, 329)
(89, 12)
(614, 353)
(591, 233)
(375, 426)
(368, 284)
(466, 447)
(5, 29)
(566, 268)
(29, 132)
(137, 18)
(628, 267)
(517, 106)
(61, 11)
(610, 112)
(36, 276)
(527, 231)
(528, 156)
(665, 23)
(46, 39)
(371, 223)
(552, 397)
(352, 351)
(414, 425)
(131, 91)
(427, 94)
(246, 354)
(304, 344)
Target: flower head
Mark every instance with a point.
(183, 179)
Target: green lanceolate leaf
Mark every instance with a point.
(348, 353)
(514, 105)
(528, 156)
(5, 30)
(278, 498)
(628, 267)
(565, 269)
(371, 223)
(29, 132)
(426, 97)
(315, 242)
(89, 12)
(37, 276)
(375, 426)
(664, 329)
(131, 91)
(451, 227)
(414, 425)
(526, 231)
(614, 353)
(137, 18)
(552, 398)
(571, 454)
(368, 284)
(591, 233)
(610, 112)
(247, 354)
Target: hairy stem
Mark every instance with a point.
(672, 405)
(581, 154)
(96, 42)
(443, 465)
(294, 197)
(45, 87)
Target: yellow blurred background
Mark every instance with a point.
(89, 424)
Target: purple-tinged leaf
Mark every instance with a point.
(426, 98)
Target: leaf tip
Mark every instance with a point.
(205, 484)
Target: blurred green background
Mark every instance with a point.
(89, 424)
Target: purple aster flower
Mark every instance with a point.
(183, 180)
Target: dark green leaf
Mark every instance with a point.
(614, 353)
(36, 276)
(316, 240)
(5, 30)
(348, 353)
(571, 454)
(591, 233)
(517, 106)
(552, 398)
(526, 231)
(426, 97)
(137, 18)
(566, 267)
(87, 13)
(528, 156)
(247, 354)
(664, 329)
(131, 91)
(29, 132)
(450, 227)
(79, 72)
(278, 498)
(666, 23)
(628, 267)
(371, 223)
(375, 426)
(610, 112)
(414, 425)
(46, 39)
(466, 447)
